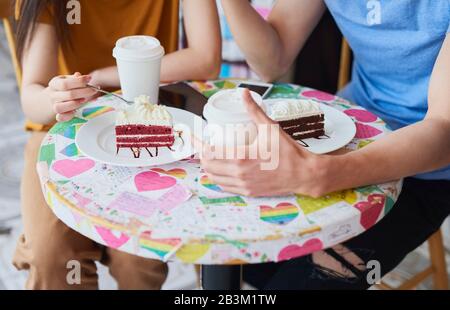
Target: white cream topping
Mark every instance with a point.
(294, 108)
(142, 112)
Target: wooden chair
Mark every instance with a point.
(438, 266)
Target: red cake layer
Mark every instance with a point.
(143, 130)
(143, 145)
(127, 139)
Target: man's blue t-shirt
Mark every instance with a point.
(395, 45)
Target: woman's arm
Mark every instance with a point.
(43, 95)
(39, 65)
(202, 58)
(271, 46)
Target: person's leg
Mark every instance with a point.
(135, 273)
(419, 212)
(47, 244)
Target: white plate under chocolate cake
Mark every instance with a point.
(144, 125)
(301, 119)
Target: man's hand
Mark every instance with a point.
(295, 171)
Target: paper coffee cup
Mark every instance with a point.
(229, 123)
(139, 63)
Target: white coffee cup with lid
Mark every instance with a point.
(139, 63)
(229, 123)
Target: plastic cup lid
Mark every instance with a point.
(138, 48)
(221, 107)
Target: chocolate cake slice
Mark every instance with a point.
(301, 119)
(143, 126)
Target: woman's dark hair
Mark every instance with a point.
(27, 15)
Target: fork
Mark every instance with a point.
(108, 93)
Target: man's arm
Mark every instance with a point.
(271, 46)
(418, 148)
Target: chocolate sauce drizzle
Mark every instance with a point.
(137, 151)
(323, 137)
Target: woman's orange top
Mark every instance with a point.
(5, 6)
(103, 22)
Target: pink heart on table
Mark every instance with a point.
(294, 251)
(319, 95)
(110, 239)
(71, 168)
(362, 115)
(364, 131)
(152, 181)
(370, 210)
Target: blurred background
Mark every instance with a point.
(317, 66)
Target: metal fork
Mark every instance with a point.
(108, 93)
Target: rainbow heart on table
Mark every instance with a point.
(370, 210)
(294, 250)
(93, 112)
(206, 182)
(177, 172)
(282, 214)
(152, 181)
(71, 168)
(161, 247)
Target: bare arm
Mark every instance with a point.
(37, 71)
(44, 95)
(272, 46)
(199, 61)
(415, 149)
(418, 148)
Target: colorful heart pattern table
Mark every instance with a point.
(174, 212)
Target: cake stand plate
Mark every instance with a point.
(97, 140)
(339, 130)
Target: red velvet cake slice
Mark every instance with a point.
(143, 126)
(301, 119)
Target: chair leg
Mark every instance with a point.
(437, 257)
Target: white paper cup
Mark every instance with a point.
(139, 63)
(229, 123)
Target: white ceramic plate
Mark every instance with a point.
(339, 129)
(97, 140)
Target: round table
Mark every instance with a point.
(175, 213)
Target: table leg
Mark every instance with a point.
(221, 277)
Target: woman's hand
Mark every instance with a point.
(281, 167)
(68, 93)
(105, 78)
